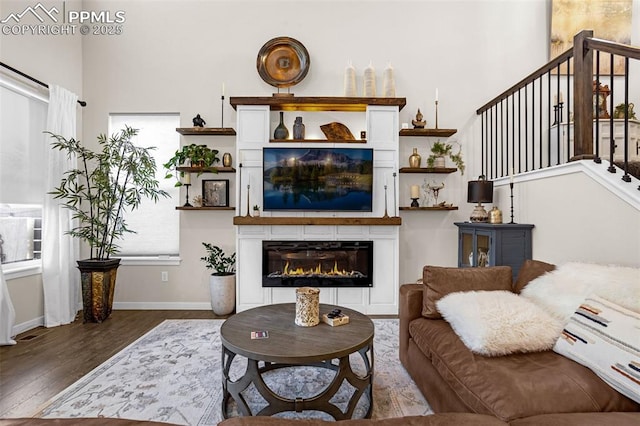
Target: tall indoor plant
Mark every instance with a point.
(222, 282)
(105, 184)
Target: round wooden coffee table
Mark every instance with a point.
(289, 345)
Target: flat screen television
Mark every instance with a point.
(317, 179)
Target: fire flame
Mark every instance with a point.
(317, 270)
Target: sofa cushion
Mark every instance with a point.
(440, 281)
(514, 386)
(530, 270)
(494, 323)
(580, 419)
(605, 337)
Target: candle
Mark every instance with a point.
(555, 99)
(223, 88)
(436, 95)
(186, 178)
(511, 176)
(415, 191)
(560, 97)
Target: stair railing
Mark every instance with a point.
(529, 126)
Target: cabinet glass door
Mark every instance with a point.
(483, 242)
(466, 254)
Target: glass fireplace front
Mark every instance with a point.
(317, 263)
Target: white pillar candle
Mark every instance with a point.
(186, 179)
(223, 88)
(388, 82)
(350, 81)
(369, 81)
(415, 191)
(436, 95)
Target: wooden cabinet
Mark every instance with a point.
(486, 244)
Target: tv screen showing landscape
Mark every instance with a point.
(328, 179)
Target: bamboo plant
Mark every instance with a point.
(105, 184)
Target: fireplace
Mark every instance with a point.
(317, 263)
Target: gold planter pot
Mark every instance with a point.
(98, 285)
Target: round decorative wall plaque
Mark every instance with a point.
(283, 62)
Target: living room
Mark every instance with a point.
(176, 57)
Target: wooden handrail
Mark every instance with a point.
(612, 47)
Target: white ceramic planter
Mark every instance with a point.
(223, 293)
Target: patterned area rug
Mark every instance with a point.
(173, 374)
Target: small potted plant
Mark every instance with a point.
(222, 282)
(256, 210)
(440, 150)
(196, 155)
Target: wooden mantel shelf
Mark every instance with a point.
(364, 221)
(317, 103)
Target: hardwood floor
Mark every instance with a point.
(47, 360)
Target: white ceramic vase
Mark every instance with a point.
(223, 293)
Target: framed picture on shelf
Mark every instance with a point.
(215, 193)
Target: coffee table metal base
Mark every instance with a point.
(320, 402)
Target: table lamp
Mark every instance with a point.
(480, 191)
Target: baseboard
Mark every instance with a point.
(170, 306)
(27, 325)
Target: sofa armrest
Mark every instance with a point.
(410, 309)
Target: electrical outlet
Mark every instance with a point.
(164, 276)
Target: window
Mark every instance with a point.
(157, 225)
(23, 118)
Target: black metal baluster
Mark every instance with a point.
(626, 176)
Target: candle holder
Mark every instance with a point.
(555, 115)
(187, 204)
(414, 203)
(248, 204)
(222, 111)
(386, 215)
(240, 189)
(511, 190)
(395, 207)
(436, 114)
(560, 107)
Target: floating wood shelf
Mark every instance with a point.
(317, 141)
(204, 208)
(317, 103)
(209, 131)
(429, 208)
(428, 170)
(206, 169)
(371, 221)
(443, 133)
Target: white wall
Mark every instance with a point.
(174, 56)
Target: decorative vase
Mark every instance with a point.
(223, 293)
(256, 213)
(98, 279)
(307, 306)
(226, 159)
(439, 162)
(298, 129)
(281, 131)
(415, 159)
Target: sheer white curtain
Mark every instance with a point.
(7, 314)
(60, 278)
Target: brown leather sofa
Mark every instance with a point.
(511, 387)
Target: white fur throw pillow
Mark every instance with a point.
(495, 323)
(562, 291)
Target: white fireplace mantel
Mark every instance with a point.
(255, 124)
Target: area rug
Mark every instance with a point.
(173, 374)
